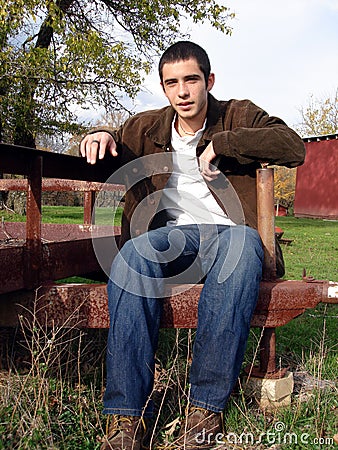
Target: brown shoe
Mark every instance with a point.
(125, 433)
(200, 429)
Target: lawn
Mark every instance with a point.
(54, 402)
(66, 214)
(314, 247)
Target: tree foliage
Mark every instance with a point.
(284, 185)
(59, 55)
(319, 117)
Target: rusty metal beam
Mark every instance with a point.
(268, 351)
(16, 160)
(14, 233)
(12, 266)
(89, 203)
(67, 250)
(266, 230)
(33, 245)
(266, 220)
(57, 184)
(288, 299)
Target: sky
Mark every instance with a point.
(280, 54)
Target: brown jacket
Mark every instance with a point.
(242, 133)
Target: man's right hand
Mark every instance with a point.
(97, 144)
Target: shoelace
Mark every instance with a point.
(192, 409)
(117, 424)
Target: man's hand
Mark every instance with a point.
(208, 172)
(97, 144)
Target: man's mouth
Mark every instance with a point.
(185, 105)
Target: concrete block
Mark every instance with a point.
(270, 393)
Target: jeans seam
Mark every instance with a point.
(205, 405)
(127, 411)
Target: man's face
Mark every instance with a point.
(185, 88)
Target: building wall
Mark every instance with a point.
(317, 180)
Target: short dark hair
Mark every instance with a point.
(183, 50)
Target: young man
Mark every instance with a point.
(190, 226)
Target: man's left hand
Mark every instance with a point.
(208, 171)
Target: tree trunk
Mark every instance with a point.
(23, 134)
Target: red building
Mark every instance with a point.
(317, 179)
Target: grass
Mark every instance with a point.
(66, 214)
(53, 379)
(314, 247)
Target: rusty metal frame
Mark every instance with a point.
(279, 301)
(25, 261)
(89, 189)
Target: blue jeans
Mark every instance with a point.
(229, 260)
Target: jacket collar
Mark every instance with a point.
(160, 131)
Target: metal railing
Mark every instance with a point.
(279, 300)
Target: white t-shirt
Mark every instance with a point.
(186, 196)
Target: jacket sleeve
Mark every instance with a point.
(258, 137)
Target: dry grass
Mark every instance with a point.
(53, 400)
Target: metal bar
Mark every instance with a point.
(267, 351)
(57, 184)
(16, 159)
(266, 229)
(180, 306)
(89, 203)
(266, 220)
(67, 249)
(33, 245)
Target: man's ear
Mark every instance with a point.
(211, 82)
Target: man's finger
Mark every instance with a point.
(92, 150)
(95, 145)
(111, 146)
(208, 170)
(210, 176)
(89, 148)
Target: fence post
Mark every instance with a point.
(266, 220)
(266, 230)
(33, 245)
(89, 203)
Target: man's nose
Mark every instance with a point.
(183, 90)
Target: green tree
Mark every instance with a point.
(284, 186)
(59, 55)
(319, 116)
